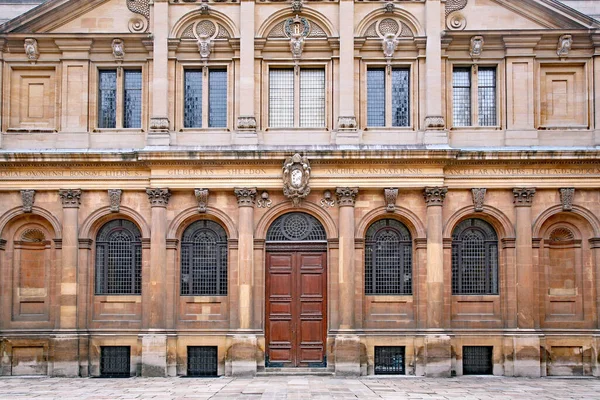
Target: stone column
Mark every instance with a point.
(154, 342)
(246, 121)
(526, 348)
(346, 123)
(243, 352)
(158, 134)
(347, 343)
(437, 345)
(66, 346)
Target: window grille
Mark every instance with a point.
(295, 227)
(487, 96)
(477, 360)
(474, 258)
(107, 99)
(217, 98)
(204, 260)
(192, 111)
(119, 258)
(132, 115)
(202, 361)
(281, 98)
(115, 361)
(312, 98)
(376, 97)
(400, 97)
(388, 258)
(390, 360)
(461, 96)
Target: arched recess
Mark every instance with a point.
(308, 13)
(18, 211)
(215, 15)
(404, 215)
(101, 216)
(190, 215)
(586, 214)
(404, 16)
(501, 223)
(310, 208)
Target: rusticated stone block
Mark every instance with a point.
(243, 355)
(347, 355)
(438, 356)
(64, 356)
(154, 355)
(527, 356)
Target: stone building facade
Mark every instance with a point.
(230, 187)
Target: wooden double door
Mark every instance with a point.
(296, 309)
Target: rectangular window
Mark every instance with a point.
(217, 98)
(193, 99)
(388, 97)
(132, 116)
(389, 360)
(288, 89)
(474, 107)
(486, 96)
(115, 361)
(107, 99)
(119, 99)
(477, 360)
(205, 98)
(202, 361)
(461, 96)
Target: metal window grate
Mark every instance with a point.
(400, 97)
(487, 96)
(107, 99)
(461, 96)
(312, 98)
(119, 258)
(202, 361)
(388, 258)
(474, 258)
(204, 259)
(132, 112)
(192, 111)
(296, 227)
(217, 98)
(477, 360)
(389, 360)
(115, 361)
(281, 98)
(376, 97)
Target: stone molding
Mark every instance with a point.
(566, 198)
(523, 197)
(158, 197)
(202, 199)
(159, 124)
(391, 196)
(346, 196)
(478, 198)
(434, 196)
(347, 123)
(28, 198)
(246, 123)
(71, 198)
(435, 122)
(245, 196)
(114, 196)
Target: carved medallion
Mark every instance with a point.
(296, 175)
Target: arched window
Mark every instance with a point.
(296, 227)
(474, 258)
(204, 260)
(119, 258)
(388, 258)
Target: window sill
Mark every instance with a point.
(117, 130)
(203, 299)
(119, 298)
(20, 131)
(292, 129)
(389, 298)
(204, 130)
(476, 128)
(376, 129)
(475, 297)
(564, 128)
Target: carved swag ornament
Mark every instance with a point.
(296, 176)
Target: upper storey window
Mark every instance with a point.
(474, 97)
(205, 103)
(120, 99)
(388, 97)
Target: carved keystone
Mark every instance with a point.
(114, 196)
(202, 199)
(28, 197)
(478, 198)
(566, 198)
(391, 195)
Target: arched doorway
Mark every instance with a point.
(296, 292)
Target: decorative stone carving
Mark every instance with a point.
(245, 196)
(246, 123)
(455, 5)
(566, 198)
(478, 198)
(202, 199)
(455, 20)
(296, 25)
(33, 235)
(158, 197)
(114, 196)
(389, 45)
(296, 6)
(561, 234)
(389, 7)
(141, 7)
(28, 198)
(476, 46)
(159, 124)
(137, 25)
(346, 196)
(296, 177)
(327, 200)
(391, 195)
(434, 196)
(296, 45)
(435, 122)
(118, 49)
(347, 123)
(523, 197)
(204, 46)
(71, 198)
(264, 201)
(564, 45)
(31, 49)
(204, 9)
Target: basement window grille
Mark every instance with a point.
(115, 361)
(389, 360)
(202, 361)
(477, 360)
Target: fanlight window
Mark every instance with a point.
(204, 260)
(296, 227)
(119, 258)
(388, 258)
(474, 258)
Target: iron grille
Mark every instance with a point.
(132, 114)
(115, 361)
(474, 258)
(217, 98)
(204, 259)
(389, 360)
(400, 97)
(202, 361)
(388, 258)
(119, 258)
(486, 96)
(192, 112)
(461, 96)
(296, 227)
(477, 360)
(107, 99)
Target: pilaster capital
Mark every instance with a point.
(71, 198)
(523, 197)
(434, 196)
(158, 197)
(346, 196)
(245, 196)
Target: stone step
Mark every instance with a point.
(295, 372)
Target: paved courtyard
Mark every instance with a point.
(293, 387)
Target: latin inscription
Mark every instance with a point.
(522, 171)
(71, 174)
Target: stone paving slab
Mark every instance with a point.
(298, 388)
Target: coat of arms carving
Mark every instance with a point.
(296, 175)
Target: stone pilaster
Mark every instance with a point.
(158, 134)
(246, 121)
(347, 132)
(2, 45)
(596, 94)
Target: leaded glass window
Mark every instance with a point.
(474, 96)
(388, 97)
(204, 260)
(132, 115)
(119, 99)
(487, 96)
(461, 96)
(217, 98)
(388, 258)
(192, 114)
(107, 99)
(400, 97)
(205, 98)
(119, 258)
(281, 98)
(312, 98)
(376, 97)
(474, 258)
